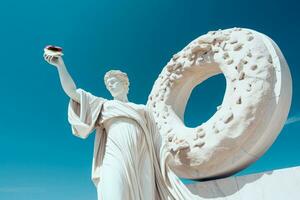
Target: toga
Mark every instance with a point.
(125, 162)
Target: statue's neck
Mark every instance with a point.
(121, 97)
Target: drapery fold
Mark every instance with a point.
(90, 114)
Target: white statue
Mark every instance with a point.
(124, 163)
(137, 156)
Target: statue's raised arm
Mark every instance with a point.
(66, 80)
(84, 108)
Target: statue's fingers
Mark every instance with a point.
(46, 56)
(48, 59)
(53, 58)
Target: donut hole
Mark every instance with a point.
(204, 100)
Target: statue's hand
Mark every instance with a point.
(56, 61)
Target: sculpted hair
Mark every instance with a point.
(119, 75)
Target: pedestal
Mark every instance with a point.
(283, 184)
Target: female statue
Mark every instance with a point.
(124, 162)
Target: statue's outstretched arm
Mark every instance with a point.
(66, 80)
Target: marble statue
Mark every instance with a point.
(141, 151)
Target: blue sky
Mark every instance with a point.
(40, 158)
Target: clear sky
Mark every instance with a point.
(39, 157)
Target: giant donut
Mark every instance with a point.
(254, 108)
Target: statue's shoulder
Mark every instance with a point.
(137, 106)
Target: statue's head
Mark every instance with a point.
(116, 82)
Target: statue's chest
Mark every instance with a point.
(115, 112)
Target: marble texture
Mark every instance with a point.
(141, 151)
(254, 108)
(125, 164)
(273, 185)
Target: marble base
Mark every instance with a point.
(274, 185)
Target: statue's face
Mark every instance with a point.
(115, 86)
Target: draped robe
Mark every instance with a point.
(125, 161)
